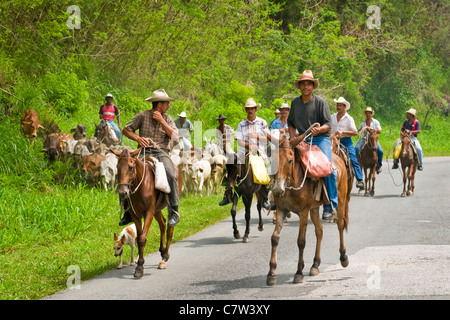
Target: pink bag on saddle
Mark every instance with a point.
(319, 165)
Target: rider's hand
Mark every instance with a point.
(143, 142)
(157, 116)
(315, 131)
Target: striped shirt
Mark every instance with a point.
(150, 128)
(257, 126)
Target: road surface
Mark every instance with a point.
(399, 248)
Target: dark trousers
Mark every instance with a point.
(170, 170)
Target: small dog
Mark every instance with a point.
(127, 236)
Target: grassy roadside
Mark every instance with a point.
(45, 233)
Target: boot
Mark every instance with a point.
(395, 166)
(360, 184)
(174, 217)
(126, 219)
(327, 214)
(226, 197)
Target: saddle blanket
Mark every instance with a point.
(315, 161)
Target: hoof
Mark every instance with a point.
(260, 228)
(345, 262)
(162, 265)
(139, 272)
(271, 280)
(410, 193)
(366, 194)
(120, 267)
(403, 194)
(298, 278)
(314, 271)
(372, 193)
(236, 235)
(246, 240)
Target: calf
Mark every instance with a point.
(108, 171)
(218, 163)
(91, 167)
(30, 123)
(202, 175)
(79, 132)
(51, 146)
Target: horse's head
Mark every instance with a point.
(100, 130)
(372, 139)
(406, 141)
(126, 167)
(334, 143)
(285, 165)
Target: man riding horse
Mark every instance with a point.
(156, 129)
(252, 135)
(306, 110)
(343, 126)
(412, 127)
(374, 125)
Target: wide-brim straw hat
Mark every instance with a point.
(412, 112)
(307, 75)
(343, 101)
(369, 109)
(252, 104)
(221, 116)
(159, 95)
(284, 105)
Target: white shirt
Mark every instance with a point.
(374, 124)
(345, 124)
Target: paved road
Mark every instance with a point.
(398, 248)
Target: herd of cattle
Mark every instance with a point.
(201, 169)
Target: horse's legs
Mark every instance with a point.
(163, 249)
(301, 242)
(373, 174)
(280, 216)
(258, 207)
(142, 240)
(404, 181)
(248, 207)
(413, 175)
(366, 182)
(319, 235)
(236, 233)
(340, 224)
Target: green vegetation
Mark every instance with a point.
(211, 55)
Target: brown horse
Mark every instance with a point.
(409, 164)
(137, 185)
(291, 194)
(368, 160)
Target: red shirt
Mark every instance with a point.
(107, 112)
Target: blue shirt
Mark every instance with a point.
(277, 124)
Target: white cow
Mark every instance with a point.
(108, 171)
(202, 175)
(218, 163)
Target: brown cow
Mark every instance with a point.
(91, 167)
(79, 132)
(51, 146)
(30, 123)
